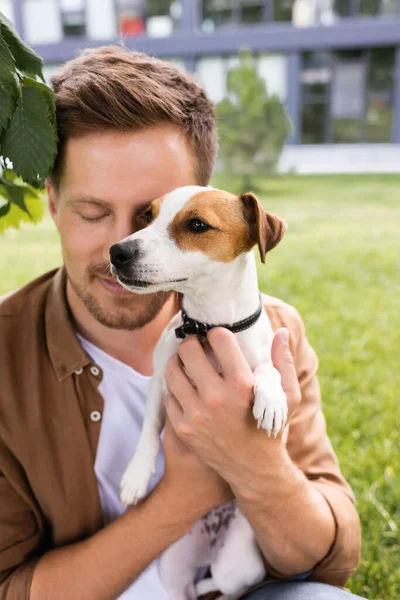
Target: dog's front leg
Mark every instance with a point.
(270, 405)
(137, 475)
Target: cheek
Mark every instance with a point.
(80, 240)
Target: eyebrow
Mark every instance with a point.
(104, 203)
(89, 200)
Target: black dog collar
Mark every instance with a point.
(193, 327)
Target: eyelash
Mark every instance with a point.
(93, 219)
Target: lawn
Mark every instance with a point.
(339, 265)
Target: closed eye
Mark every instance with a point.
(93, 219)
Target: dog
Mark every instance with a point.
(199, 241)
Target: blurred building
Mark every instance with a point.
(334, 63)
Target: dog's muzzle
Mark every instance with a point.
(123, 256)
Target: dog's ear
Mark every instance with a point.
(266, 229)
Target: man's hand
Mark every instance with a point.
(196, 486)
(213, 417)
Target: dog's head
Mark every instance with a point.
(191, 233)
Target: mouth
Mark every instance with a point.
(140, 283)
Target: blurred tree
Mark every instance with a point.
(253, 125)
(28, 133)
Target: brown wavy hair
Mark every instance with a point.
(110, 88)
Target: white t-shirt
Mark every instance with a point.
(124, 392)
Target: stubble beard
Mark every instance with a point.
(125, 316)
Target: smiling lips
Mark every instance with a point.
(113, 286)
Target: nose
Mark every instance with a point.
(122, 254)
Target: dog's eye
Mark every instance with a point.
(198, 226)
(148, 215)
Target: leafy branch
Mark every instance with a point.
(28, 131)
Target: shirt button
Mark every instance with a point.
(95, 416)
(95, 370)
(79, 371)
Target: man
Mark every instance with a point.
(76, 360)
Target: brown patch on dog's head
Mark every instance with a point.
(266, 229)
(230, 226)
(150, 214)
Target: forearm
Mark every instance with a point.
(104, 565)
(291, 520)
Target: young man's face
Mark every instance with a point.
(108, 181)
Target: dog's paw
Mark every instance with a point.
(270, 408)
(136, 479)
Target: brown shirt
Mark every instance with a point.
(49, 436)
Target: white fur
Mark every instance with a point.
(214, 292)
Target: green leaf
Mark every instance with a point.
(4, 209)
(11, 215)
(15, 194)
(26, 59)
(48, 95)
(30, 142)
(8, 99)
(7, 62)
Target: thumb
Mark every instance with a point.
(282, 360)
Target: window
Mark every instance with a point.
(162, 17)
(42, 22)
(73, 17)
(156, 18)
(379, 7)
(252, 11)
(283, 10)
(131, 19)
(379, 101)
(212, 72)
(316, 81)
(223, 13)
(314, 117)
(344, 8)
(218, 13)
(348, 96)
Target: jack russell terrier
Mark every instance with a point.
(199, 242)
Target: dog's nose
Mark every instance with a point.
(122, 254)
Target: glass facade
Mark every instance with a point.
(333, 96)
(347, 96)
(212, 72)
(223, 13)
(155, 18)
(73, 17)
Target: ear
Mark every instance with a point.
(266, 229)
(51, 195)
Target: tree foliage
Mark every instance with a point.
(28, 132)
(252, 124)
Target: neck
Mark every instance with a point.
(236, 299)
(134, 348)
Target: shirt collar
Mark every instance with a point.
(65, 351)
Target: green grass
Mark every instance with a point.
(339, 265)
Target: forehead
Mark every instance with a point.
(125, 167)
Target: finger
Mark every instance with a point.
(282, 360)
(196, 363)
(174, 411)
(228, 353)
(178, 382)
